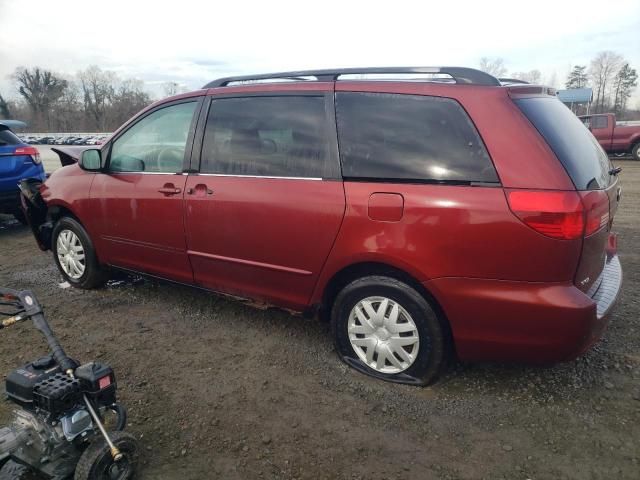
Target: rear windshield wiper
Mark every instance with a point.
(615, 170)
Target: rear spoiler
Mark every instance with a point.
(12, 124)
(531, 91)
(69, 155)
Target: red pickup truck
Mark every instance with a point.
(613, 136)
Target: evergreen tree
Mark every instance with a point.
(578, 77)
(623, 85)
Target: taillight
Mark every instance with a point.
(31, 151)
(596, 206)
(552, 213)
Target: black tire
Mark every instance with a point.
(635, 151)
(96, 462)
(15, 471)
(433, 335)
(94, 275)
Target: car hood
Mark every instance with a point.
(70, 155)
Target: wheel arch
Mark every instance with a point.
(58, 210)
(354, 271)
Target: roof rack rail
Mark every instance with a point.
(513, 81)
(468, 76)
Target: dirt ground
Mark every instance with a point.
(216, 389)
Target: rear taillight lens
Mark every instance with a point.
(31, 151)
(596, 206)
(552, 213)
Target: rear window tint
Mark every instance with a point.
(7, 137)
(409, 138)
(582, 156)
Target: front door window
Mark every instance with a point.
(155, 144)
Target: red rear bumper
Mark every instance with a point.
(526, 322)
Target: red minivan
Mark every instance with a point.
(426, 212)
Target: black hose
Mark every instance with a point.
(121, 413)
(56, 349)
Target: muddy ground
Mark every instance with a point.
(216, 389)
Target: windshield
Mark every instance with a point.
(582, 156)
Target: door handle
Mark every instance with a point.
(169, 189)
(200, 189)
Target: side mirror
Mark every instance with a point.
(91, 160)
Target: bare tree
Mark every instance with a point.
(493, 66)
(41, 89)
(5, 111)
(602, 71)
(172, 88)
(532, 76)
(129, 98)
(98, 88)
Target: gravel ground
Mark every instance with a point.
(216, 389)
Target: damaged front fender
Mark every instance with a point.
(35, 211)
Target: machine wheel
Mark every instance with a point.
(635, 152)
(385, 328)
(75, 255)
(96, 462)
(15, 471)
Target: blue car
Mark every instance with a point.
(18, 161)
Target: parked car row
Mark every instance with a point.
(88, 139)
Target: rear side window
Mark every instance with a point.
(7, 137)
(599, 122)
(409, 138)
(284, 136)
(582, 156)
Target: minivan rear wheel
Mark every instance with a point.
(385, 328)
(75, 255)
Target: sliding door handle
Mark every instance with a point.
(169, 189)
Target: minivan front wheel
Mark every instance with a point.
(385, 328)
(75, 255)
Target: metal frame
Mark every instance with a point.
(461, 75)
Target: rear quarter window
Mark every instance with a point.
(7, 137)
(577, 149)
(414, 138)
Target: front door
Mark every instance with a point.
(264, 211)
(139, 199)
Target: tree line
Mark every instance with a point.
(609, 74)
(94, 100)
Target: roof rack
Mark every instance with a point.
(468, 76)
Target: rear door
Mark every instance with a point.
(138, 201)
(265, 209)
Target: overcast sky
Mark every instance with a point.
(192, 42)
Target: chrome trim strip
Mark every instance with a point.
(250, 263)
(144, 173)
(256, 176)
(137, 243)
